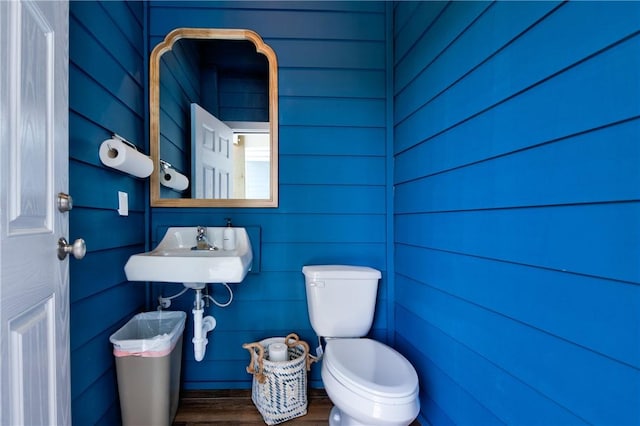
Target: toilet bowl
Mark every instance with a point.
(369, 384)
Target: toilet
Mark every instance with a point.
(368, 382)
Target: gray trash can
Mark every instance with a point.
(148, 352)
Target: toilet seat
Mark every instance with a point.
(372, 370)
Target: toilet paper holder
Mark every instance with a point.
(123, 140)
(164, 166)
(172, 178)
(120, 154)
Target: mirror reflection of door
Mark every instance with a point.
(229, 163)
(212, 166)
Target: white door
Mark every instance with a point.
(212, 155)
(34, 283)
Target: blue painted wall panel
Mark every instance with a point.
(576, 307)
(117, 27)
(279, 20)
(98, 265)
(516, 210)
(605, 169)
(440, 394)
(347, 112)
(316, 140)
(562, 107)
(106, 95)
(332, 170)
(331, 83)
(587, 239)
(409, 23)
(89, 408)
(606, 396)
(443, 68)
(473, 393)
(433, 40)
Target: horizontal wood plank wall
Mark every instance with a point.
(517, 188)
(242, 98)
(331, 58)
(106, 96)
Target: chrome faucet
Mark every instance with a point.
(202, 242)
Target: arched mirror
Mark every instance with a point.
(213, 120)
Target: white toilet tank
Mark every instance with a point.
(341, 299)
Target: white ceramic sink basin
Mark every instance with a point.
(174, 260)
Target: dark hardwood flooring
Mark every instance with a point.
(234, 407)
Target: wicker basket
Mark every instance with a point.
(279, 389)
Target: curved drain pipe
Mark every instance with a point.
(201, 326)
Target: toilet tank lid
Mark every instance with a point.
(322, 272)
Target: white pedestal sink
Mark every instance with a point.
(175, 261)
(194, 256)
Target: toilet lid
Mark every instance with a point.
(370, 367)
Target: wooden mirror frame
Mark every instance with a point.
(154, 116)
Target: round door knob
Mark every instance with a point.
(78, 249)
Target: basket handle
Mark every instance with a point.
(251, 367)
(293, 340)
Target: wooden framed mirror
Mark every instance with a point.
(232, 75)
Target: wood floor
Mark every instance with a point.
(234, 407)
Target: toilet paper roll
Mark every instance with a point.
(174, 180)
(118, 155)
(278, 352)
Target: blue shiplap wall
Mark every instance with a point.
(333, 167)
(106, 81)
(517, 221)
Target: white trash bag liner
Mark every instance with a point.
(149, 334)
